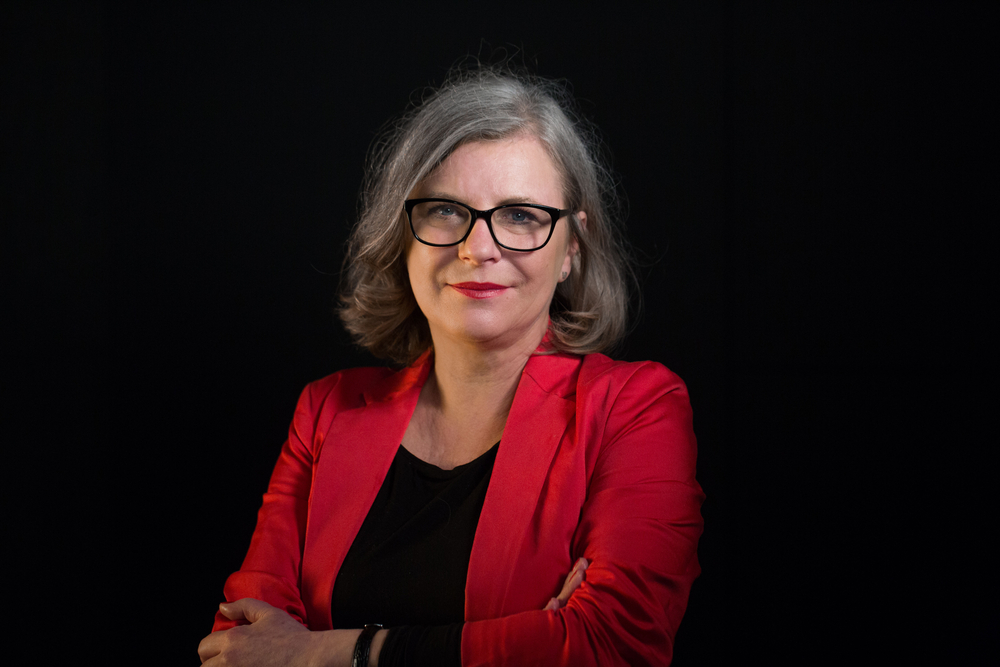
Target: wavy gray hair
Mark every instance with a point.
(589, 311)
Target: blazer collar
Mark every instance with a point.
(362, 443)
(356, 455)
(543, 409)
(398, 384)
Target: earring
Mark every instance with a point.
(565, 273)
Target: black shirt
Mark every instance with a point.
(407, 566)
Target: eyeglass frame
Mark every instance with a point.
(555, 213)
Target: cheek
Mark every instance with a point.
(546, 274)
(418, 278)
(412, 271)
(421, 270)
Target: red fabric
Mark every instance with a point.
(597, 460)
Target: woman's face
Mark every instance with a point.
(476, 291)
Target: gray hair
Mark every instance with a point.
(589, 311)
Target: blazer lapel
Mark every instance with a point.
(356, 455)
(536, 424)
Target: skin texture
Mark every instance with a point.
(275, 638)
(481, 345)
(485, 174)
(272, 637)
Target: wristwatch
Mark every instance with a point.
(363, 647)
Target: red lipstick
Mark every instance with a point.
(479, 290)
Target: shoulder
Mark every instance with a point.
(618, 396)
(639, 412)
(342, 390)
(596, 376)
(602, 375)
(322, 400)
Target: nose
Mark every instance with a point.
(479, 245)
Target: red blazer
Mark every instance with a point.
(597, 460)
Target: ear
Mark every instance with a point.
(574, 245)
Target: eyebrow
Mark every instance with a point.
(507, 201)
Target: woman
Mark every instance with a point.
(447, 501)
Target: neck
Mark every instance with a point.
(464, 404)
(467, 373)
(475, 391)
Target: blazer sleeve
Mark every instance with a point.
(639, 528)
(271, 569)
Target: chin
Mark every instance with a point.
(490, 330)
(480, 332)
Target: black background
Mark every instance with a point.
(810, 188)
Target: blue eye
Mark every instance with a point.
(518, 216)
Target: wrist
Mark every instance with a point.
(333, 648)
(377, 642)
(362, 656)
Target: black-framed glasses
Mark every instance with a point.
(444, 222)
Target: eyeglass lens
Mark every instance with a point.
(521, 227)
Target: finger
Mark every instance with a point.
(580, 564)
(210, 646)
(573, 580)
(245, 609)
(232, 610)
(574, 576)
(553, 605)
(571, 585)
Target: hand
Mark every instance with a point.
(272, 638)
(573, 581)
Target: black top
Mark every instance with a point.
(407, 566)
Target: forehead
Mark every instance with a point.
(497, 171)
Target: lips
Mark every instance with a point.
(479, 290)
